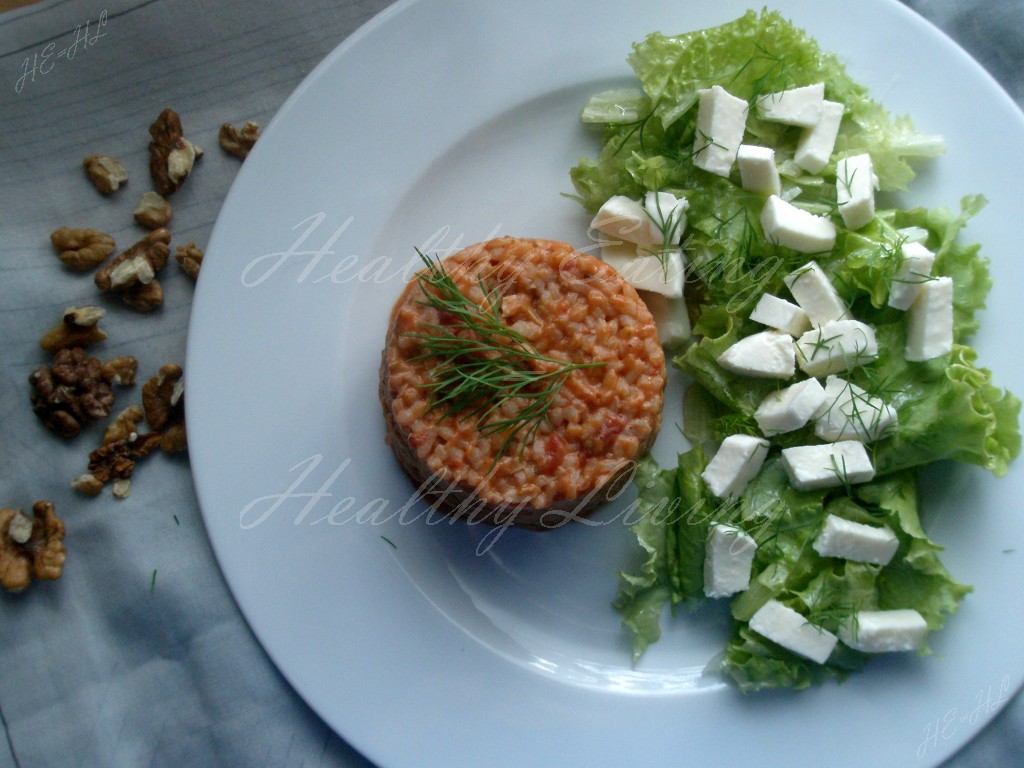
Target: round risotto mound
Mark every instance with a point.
(569, 306)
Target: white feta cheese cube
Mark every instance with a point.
(668, 213)
(728, 557)
(661, 272)
(624, 218)
(930, 321)
(758, 172)
(814, 148)
(895, 630)
(914, 270)
(811, 467)
(721, 123)
(670, 316)
(815, 294)
(786, 225)
(790, 408)
(835, 347)
(780, 314)
(796, 106)
(856, 183)
(736, 462)
(767, 355)
(859, 542)
(850, 413)
(790, 629)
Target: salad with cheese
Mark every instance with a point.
(741, 187)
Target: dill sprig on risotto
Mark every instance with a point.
(483, 364)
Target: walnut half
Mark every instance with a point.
(70, 393)
(79, 327)
(81, 249)
(132, 273)
(30, 548)
(171, 155)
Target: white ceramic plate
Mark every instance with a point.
(427, 643)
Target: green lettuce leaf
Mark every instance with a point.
(948, 408)
(756, 54)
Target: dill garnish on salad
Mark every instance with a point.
(828, 361)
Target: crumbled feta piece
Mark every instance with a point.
(790, 408)
(768, 355)
(815, 294)
(736, 462)
(721, 123)
(850, 413)
(856, 183)
(728, 555)
(814, 148)
(899, 629)
(780, 314)
(625, 218)
(930, 321)
(810, 467)
(785, 224)
(668, 213)
(790, 629)
(670, 316)
(859, 542)
(914, 270)
(835, 347)
(796, 106)
(758, 172)
(661, 272)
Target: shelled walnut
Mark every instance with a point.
(163, 400)
(30, 548)
(190, 258)
(125, 426)
(116, 458)
(106, 173)
(70, 393)
(79, 327)
(239, 141)
(171, 155)
(153, 211)
(120, 371)
(132, 273)
(122, 446)
(81, 249)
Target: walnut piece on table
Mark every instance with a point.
(122, 446)
(120, 371)
(125, 426)
(190, 258)
(163, 400)
(106, 173)
(79, 327)
(114, 461)
(30, 548)
(70, 393)
(81, 249)
(239, 141)
(132, 273)
(153, 211)
(171, 155)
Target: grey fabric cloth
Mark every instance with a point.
(138, 655)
